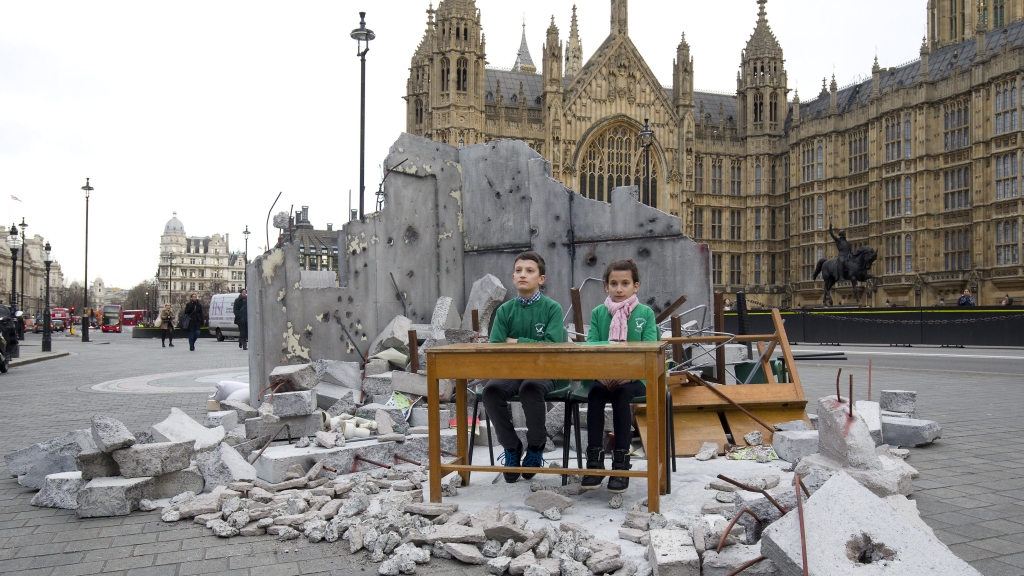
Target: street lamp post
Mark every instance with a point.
(362, 36)
(85, 305)
(246, 275)
(24, 256)
(47, 260)
(14, 243)
(646, 137)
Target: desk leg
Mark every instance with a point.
(663, 433)
(434, 431)
(461, 426)
(655, 408)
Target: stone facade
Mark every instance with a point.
(202, 264)
(32, 268)
(898, 160)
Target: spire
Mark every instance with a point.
(761, 15)
(524, 63)
(573, 49)
(762, 42)
(620, 18)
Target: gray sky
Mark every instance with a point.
(211, 108)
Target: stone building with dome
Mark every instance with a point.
(922, 161)
(201, 264)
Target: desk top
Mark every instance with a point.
(561, 347)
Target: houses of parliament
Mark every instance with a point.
(922, 161)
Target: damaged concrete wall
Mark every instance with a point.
(452, 216)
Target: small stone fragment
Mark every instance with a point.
(753, 438)
(552, 514)
(616, 502)
(708, 450)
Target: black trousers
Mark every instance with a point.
(243, 335)
(531, 396)
(620, 398)
(167, 334)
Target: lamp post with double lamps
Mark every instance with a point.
(24, 256)
(85, 287)
(646, 138)
(362, 36)
(47, 260)
(14, 242)
(246, 274)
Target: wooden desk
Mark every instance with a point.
(568, 361)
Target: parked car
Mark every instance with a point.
(222, 316)
(58, 325)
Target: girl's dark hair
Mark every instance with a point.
(622, 265)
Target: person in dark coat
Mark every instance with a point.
(966, 299)
(193, 320)
(242, 320)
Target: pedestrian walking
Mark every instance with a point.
(242, 320)
(166, 326)
(193, 320)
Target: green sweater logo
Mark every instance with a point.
(539, 328)
(640, 323)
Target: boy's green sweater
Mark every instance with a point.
(541, 321)
(642, 326)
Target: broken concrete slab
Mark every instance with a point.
(420, 417)
(445, 315)
(852, 531)
(226, 419)
(154, 459)
(485, 296)
(394, 335)
(294, 377)
(413, 383)
(793, 426)
(842, 438)
(375, 384)
(904, 401)
(60, 491)
(301, 403)
(732, 557)
(179, 427)
(898, 414)
(398, 423)
(96, 464)
(908, 508)
(336, 372)
(910, 432)
(871, 414)
(449, 533)
(112, 496)
(224, 465)
(546, 499)
(297, 426)
(466, 553)
(243, 410)
(274, 463)
(173, 483)
(327, 395)
(708, 450)
(792, 446)
(31, 465)
(110, 434)
(343, 458)
(417, 447)
(887, 479)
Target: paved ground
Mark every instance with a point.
(969, 490)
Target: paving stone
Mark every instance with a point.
(850, 525)
(294, 377)
(227, 419)
(301, 403)
(179, 427)
(96, 464)
(112, 496)
(110, 434)
(904, 401)
(173, 483)
(298, 425)
(223, 466)
(792, 446)
(910, 432)
(155, 459)
(60, 491)
(485, 296)
(242, 409)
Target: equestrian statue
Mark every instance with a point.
(852, 265)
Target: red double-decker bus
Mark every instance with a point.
(134, 317)
(113, 318)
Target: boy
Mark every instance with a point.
(530, 317)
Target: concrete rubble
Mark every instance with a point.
(110, 435)
(179, 427)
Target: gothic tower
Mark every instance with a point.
(552, 94)
(761, 82)
(573, 49)
(682, 100)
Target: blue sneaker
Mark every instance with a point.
(534, 458)
(512, 458)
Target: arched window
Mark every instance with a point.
(757, 178)
(820, 163)
(419, 111)
(907, 187)
(758, 107)
(446, 72)
(614, 157)
(458, 32)
(773, 107)
(461, 74)
(698, 184)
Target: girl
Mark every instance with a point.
(620, 319)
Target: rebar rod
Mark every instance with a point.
(750, 489)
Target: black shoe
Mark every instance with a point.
(595, 461)
(163, 344)
(620, 461)
(245, 347)
(171, 344)
(534, 458)
(511, 458)
(191, 348)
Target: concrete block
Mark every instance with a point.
(226, 419)
(871, 414)
(376, 366)
(173, 483)
(60, 491)
(294, 377)
(299, 426)
(33, 464)
(301, 403)
(343, 459)
(671, 553)
(179, 427)
(448, 533)
(795, 425)
(377, 384)
(412, 383)
(851, 532)
(904, 401)
(732, 557)
(398, 423)
(275, 461)
(224, 465)
(112, 496)
(96, 464)
(898, 414)
(908, 508)
(759, 505)
(419, 417)
(243, 410)
(464, 336)
(154, 459)
(792, 446)
(486, 295)
(394, 335)
(446, 315)
(843, 439)
(109, 434)
(427, 331)
(890, 477)
(327, 395)
(466, 553)
(338, 373)
(417, 447)
(910, 432)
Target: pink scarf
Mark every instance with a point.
(620, 312)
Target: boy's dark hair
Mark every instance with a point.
(533, 256)
(622, 265)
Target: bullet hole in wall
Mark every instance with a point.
(391, 241)
(350, 300)
(325, 317)
(411, 235)
(348, 314)
(644, 253)
(409, 274)
(552, 244)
